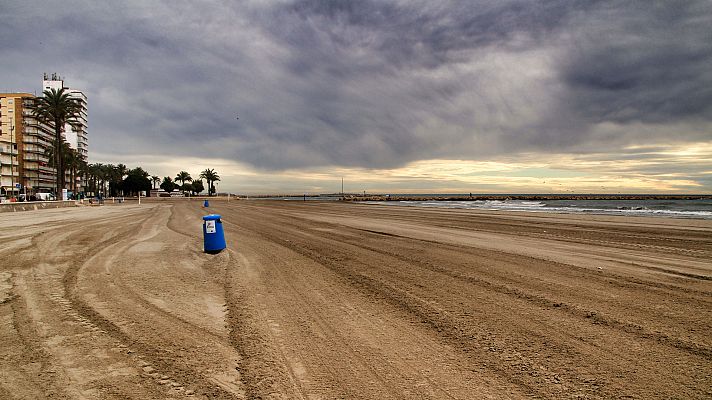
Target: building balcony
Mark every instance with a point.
(33, 123)
(37, 129)
(38, 174)
(35, 126)
(37, 141)
(34, 157)
(5, 170)
(42, 136)
(35, 150)
(49, 138)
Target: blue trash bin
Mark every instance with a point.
(206, 204)
(213, 235)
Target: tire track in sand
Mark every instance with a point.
(401, 292)
(341, 344)
(43, 317)
(175, 356)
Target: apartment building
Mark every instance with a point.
(76, 135)
(24, 148)
(26, 144)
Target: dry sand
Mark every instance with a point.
(330, 300)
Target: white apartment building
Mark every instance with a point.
(77, 137)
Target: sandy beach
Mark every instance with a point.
(326, 300)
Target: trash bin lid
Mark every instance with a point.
(211, 217)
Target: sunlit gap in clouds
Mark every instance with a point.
(674, 168)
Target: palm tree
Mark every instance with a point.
(100, 174)
(182, 177)
(82, 167)
(168, 184)
(210, 176)
(115, 175)
(70, 159)
(155, 179)
(107, 176)
(56, 108)
(83, 170)
(72, 162)
(90, 177)
(95, 171)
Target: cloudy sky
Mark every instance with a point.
(394, 96)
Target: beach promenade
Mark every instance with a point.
(327, 300)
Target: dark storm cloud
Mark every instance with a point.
(371, 83)
(429, 34)
(652, 64)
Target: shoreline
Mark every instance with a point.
(530, 197)
(629, 206)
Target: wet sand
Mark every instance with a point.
(324, 300)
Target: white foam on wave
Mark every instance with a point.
(538, 206)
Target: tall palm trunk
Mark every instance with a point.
(73, 175)
(58, 156)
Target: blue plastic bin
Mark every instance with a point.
(206, 204)
(213, 235)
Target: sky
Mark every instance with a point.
(482, 96)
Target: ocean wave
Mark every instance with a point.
(539, 206)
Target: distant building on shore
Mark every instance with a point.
(163, 193)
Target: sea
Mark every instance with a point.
(696, 209)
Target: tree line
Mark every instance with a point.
(56, 109)
(188, 184)
(118, 180)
